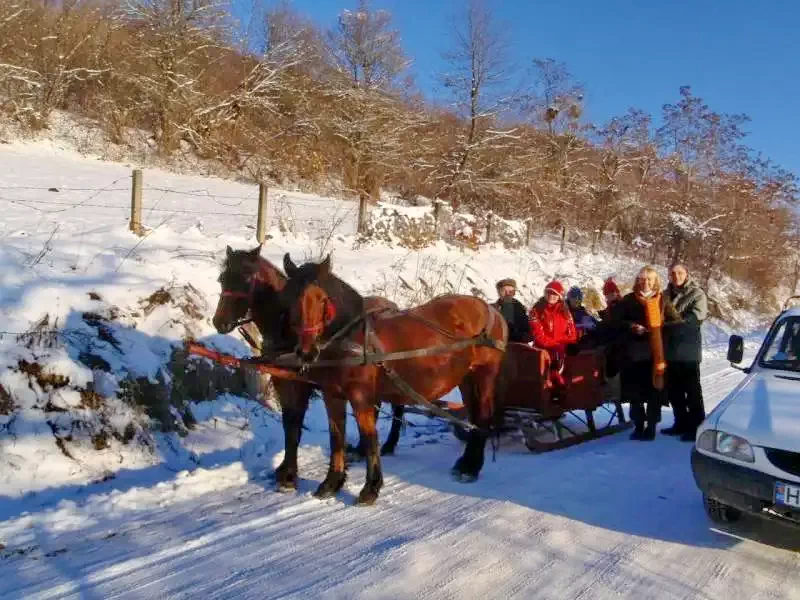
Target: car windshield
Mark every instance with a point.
(783, 351)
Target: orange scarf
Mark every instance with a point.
(654, 317)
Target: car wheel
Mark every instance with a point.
(719, 512)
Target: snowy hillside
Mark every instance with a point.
(103, 497)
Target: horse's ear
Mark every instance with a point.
(256, 252)
(325, 267)
(228, 251)
(288, 266)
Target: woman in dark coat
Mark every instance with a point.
(643, 314)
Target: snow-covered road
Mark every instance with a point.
(610, 518)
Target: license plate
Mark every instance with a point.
(786, 494)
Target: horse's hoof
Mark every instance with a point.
(458, 468)
(324, 492)
(367, 497)
(286, 488)
(462, 472)
(330, 487)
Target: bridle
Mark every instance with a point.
(249, 295)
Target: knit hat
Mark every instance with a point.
(610, 287)
(556, 287)
(506, 282)
(575, 293)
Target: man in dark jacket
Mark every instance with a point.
(519, 329)
(684, 348)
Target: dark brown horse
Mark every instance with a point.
(251, 287)
(329, 319)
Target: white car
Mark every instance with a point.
(747, 454)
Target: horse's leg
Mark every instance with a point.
(359, 451)
(481, 411)
(468, 397)
(394, 435)
(366, 418)
(336, 408)
(293, 398)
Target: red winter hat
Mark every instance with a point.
(556, 287)
(610, 287)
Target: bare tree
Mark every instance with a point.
(555, 101)
(622, 169)
(477, 78)
(53, 49)
(365, 49)
(175, 46)
(367, 115)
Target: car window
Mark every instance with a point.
(783, 349)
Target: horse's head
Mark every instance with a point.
(241, 274)
(308, 300)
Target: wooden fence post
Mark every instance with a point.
(437, 208)
(136, 202)
(489, 227)
(528, 228)
(362, 212)
(263, 206)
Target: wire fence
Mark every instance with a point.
(266, 208)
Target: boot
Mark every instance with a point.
(649, 433)
(638, 431)
(689, 435)
(674, 430)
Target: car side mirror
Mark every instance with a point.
(735, 349)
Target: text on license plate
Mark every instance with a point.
(787, 494)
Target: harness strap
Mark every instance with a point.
(370, 358)
(249, 339)
(372, 339)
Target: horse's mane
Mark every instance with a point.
(271, 275)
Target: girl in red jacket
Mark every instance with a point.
(552, 327)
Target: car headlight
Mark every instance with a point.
(726, 444)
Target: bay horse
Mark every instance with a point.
(323, 310)
(250, 295)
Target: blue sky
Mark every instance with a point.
(740, 56)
